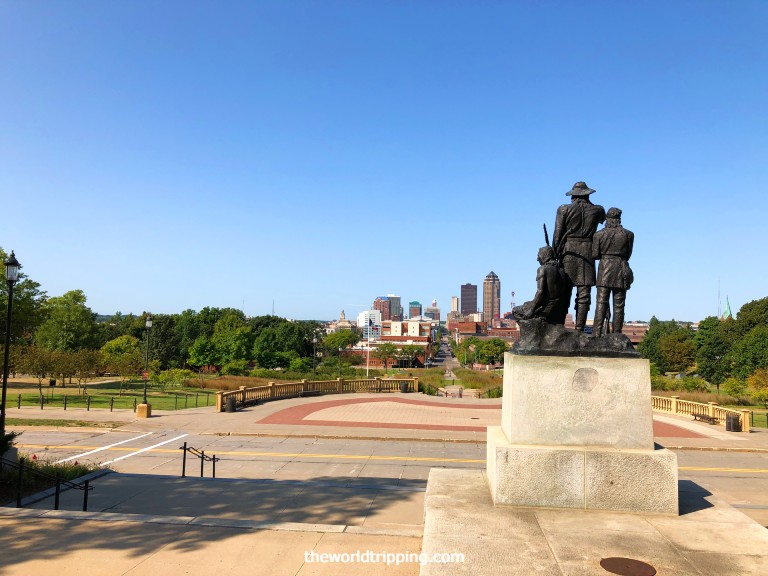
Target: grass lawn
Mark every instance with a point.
(107, 394)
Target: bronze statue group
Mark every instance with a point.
(570, 262)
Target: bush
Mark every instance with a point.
(734, 387)
(7, 441)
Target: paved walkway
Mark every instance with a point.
(389, 416)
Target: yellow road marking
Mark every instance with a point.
(352, 457)
(273, 454)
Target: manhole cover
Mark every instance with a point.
(627, 567)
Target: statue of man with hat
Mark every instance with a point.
(575, 225)
(613, 247)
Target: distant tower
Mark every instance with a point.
(468, 299)
(414, 309)
(512, 303)
(382, 304)
(491, 298)
(454, 303)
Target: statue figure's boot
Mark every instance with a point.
(581, 318)
(600, 310)
(618, 321)
(619, 298)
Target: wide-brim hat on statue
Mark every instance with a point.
(580, 189)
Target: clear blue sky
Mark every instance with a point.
(171, 155)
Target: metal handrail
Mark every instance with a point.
(85, 487)
(203, 459)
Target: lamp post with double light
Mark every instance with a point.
(11, 275)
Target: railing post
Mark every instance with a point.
(18, 405)
(58, 492)
(745, 414)
(184, 461)
(41, 402)
(415, 384)
(219, 401)
(674, 404)
(19, 483)
(111, 403)
(711, 409)
(303, 385)
(85, 496)
(65, 402)
(88, 404)
(242, 394)
(134, 404)
(196, 395)
(214, 466)
(186, 399)
(202, 462)
(339, 385)
(272, 392)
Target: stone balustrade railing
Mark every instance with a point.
(673, 405)
(277, 391)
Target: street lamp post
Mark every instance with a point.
(314, 355)
(340, 349)
(11, 275)
(144, 410)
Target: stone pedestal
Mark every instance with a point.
(577, 432)
(144, 410)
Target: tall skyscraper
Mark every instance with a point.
(383, 305)
(395, 307)
(468, 299)
(414, 309)
(491, 298)
(454, 303)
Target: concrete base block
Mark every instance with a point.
(576, 401)
(585, 478)
(144, 411)
(638, 481)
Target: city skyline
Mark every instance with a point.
(300, 157)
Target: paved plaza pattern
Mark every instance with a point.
(324, 474)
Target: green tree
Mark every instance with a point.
(649, 347)
(750, 353)
(341, 339)
(86, 363)
(384, 352)
(752, 314)
(677, 350)
(70, 325)
(123, 356)
(735, 387)
(713, 341)
(202, 353)
(411, 353)
(36, 361)
(492, 351)
(758, 386)
(28, 306)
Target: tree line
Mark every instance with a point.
(732, 353)
(62, 336)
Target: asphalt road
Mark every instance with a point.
(740, 478)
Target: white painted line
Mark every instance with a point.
(144, 449)
(100, 449)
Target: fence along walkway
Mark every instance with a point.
(673, 405)
(273, 391)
